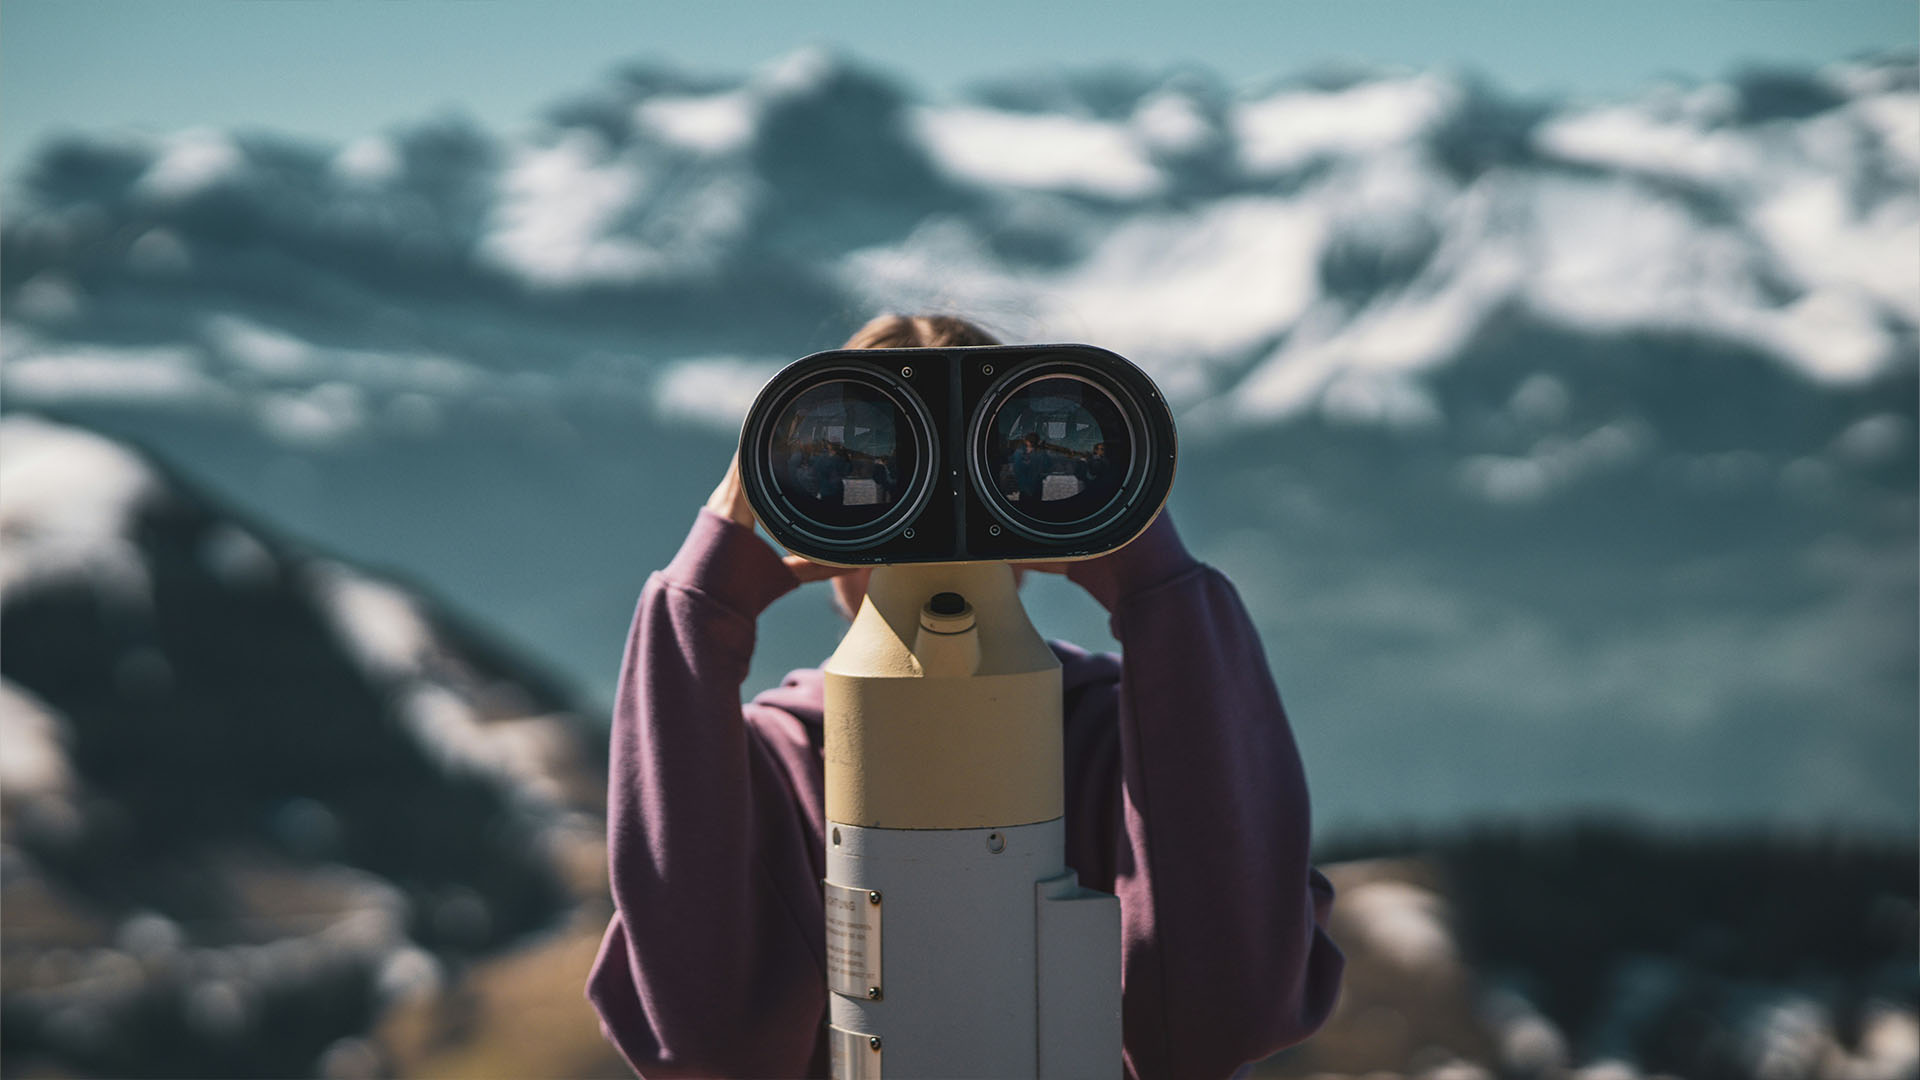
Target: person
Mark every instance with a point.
(799, 467)
(830, 473)
(1097, 465)
(1030, 467)
(1185, 797)
(1098, 478)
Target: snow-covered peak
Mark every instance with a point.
(67, 501)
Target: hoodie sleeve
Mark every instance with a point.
(716, 909)
(1225, 953)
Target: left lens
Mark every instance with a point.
(844, 457)
(1054, 453)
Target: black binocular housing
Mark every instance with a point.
(1022, 453)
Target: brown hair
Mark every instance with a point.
(918, 332)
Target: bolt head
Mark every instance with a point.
(873, 993)
(873, 898)
(873, 1041)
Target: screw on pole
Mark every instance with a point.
(873, 898)
(873, 1041)
(873, 993)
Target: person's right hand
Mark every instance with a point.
(1152, 557)
(729, 500)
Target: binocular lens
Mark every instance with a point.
(989, 453)
(1057, 451)
(842, 455)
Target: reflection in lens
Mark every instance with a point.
(1058, 449)
(841, 454)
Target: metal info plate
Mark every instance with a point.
(855, 1056)
(853, 942)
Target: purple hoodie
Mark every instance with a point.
(1184, 797)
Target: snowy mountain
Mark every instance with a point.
(1272, 247)
(1563, 450)
(253, 797)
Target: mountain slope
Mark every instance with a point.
(251, 795)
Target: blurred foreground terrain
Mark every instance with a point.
(266, 814)
(252, 801)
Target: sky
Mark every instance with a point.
(337, 71)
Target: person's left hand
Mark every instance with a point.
(729, 500)
(1153, 556)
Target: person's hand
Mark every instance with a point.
(1045, 567)
(808, 570)
(1102, 563)
(1153, 556)
(729, 500)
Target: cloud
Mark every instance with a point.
(1879, 439)
(48, 298)
(170, 376)
(1554, 463)
(189, 163)
(327, 414)
(713, 391)
(160, 253)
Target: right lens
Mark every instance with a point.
(844, 457)
(1054, 451)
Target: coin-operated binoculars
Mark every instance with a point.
(959, 943)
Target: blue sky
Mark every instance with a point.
(336, 71)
